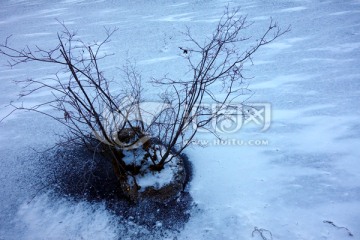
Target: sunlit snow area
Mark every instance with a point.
(298, 178)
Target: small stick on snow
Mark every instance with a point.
(332, 224)
(262, 231)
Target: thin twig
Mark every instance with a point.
(333, 224)
(262, 232)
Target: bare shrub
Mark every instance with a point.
(113, 123)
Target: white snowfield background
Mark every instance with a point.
(306, 173)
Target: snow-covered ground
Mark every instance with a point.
(299, 178)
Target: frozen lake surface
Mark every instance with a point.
(293, 180)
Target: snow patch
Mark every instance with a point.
(260, 18)
(278, 45)
(293, 9)
(282, 80)
(156, 179)
(39, 34)
(328, 60)
(157, 60)
(46, 217)
(339, 48)
(183, 17)
(180, 4)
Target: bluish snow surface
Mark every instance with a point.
(304, 172)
